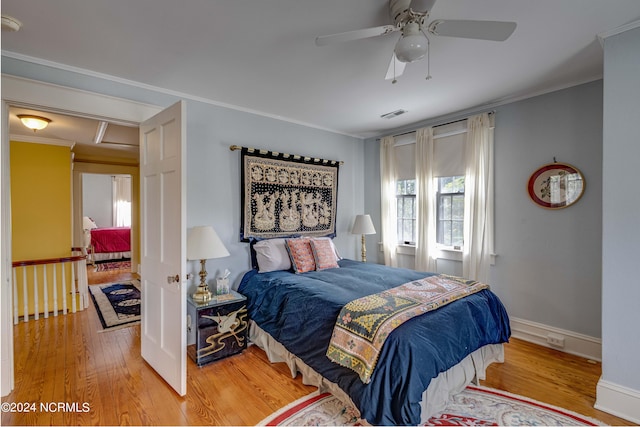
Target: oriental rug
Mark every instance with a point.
(117, 304)
(113, 265)
(474, 406)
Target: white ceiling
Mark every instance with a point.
(260, 55)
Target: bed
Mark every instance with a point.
(106, 243)
(422, 361)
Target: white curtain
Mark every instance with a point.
(425, 201)
(478, 201)
(389, 212)
(121, 201)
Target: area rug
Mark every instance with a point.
(117, 304)
(113, 265)
(474, 406)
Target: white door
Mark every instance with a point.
(163, 245)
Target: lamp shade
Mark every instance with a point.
(204, 243)
(363, 225)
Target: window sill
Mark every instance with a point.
(440, 253)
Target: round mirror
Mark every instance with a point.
(556, 186)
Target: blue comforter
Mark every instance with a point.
(300, 310)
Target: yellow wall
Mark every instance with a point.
(40, 212)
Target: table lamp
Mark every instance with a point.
(363, 225)
(202, 244)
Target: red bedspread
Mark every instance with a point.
(114, 239)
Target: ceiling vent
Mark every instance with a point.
(393, 114)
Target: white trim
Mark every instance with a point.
(440, 253)
(7, 379)
(41, 140)
(615, 31)
(618, 400)
(574, 343)
(18, 91)
(178, 94)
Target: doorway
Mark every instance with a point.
(19, 92)
(106, 223)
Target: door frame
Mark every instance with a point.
(22, 92)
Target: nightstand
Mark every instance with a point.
(217, 328)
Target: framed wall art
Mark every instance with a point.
(287, 195)
(556, 185)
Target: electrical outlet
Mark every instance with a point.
(555, 340)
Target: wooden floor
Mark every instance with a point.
(106, 382)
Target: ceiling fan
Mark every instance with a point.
(410, 18)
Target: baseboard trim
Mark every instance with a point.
(618, 400)
(574, 343)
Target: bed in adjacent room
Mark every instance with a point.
(298, 314)
(106, 243)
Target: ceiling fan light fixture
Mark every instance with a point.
(413, 45)
(34, 122)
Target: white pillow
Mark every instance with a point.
(272, 255)
(88, 223)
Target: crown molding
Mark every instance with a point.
(41, 140)
(618, 30)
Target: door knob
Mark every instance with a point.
(173, 279)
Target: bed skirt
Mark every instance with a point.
(471, 369)
(106, 256)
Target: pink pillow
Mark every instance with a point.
(301, 255)
(323, 254)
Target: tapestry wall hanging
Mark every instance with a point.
(286, 195)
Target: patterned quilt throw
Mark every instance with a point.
(364, 324)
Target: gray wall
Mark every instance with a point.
(97, 198)
(548, 264)
(621, 207)
(213, 179)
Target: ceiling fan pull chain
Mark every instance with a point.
(428, 55)
(394, 81)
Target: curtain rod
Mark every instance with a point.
(435, 126)
(294, 156)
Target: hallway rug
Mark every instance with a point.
(117, 304)
(113, 265)
(474, 406)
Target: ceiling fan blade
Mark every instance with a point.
(355, 35)
(484, 30)
(399, 68)
(422, 5)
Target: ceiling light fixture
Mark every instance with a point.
(34, 122)
(412, 46)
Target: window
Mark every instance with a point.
(406, 202)
(450, 211)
